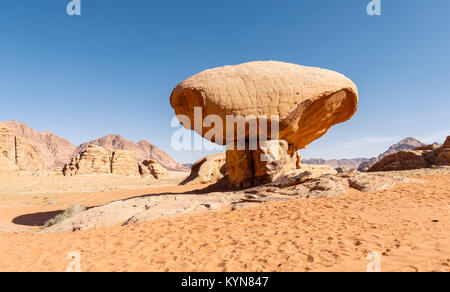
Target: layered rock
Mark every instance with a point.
(143, 150)
(296, 105)
(97, 160)
(18, 155)
(124, 163)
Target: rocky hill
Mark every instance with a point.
(54, 150)
(17, 155)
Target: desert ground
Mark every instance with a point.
(408, 225)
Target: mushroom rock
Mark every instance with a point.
(295, 104)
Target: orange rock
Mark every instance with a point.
(306, 102)
(403, 160)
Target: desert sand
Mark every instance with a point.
(408, 225)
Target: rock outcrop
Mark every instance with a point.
(420, 157)
(143, 150)
(403, 160)
(443, 156)
(153, 168)
(296, 105)
(18, 155)
(363, 164)
(97, 160)
(7, 166)
(207, 170)
(54, 151)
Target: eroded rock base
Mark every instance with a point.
(271, 160)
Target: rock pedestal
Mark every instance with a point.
(247, 168)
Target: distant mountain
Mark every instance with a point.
(363, 164)
(143, 150)
(404, 145)
(335, 163)
(54, 150)
(188, 165)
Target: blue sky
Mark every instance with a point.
(112, 69)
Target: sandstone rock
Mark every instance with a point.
(305, 102)
(403, 160)
(7, 166)
(431, 147)
(94, 160)
(207, 170)
(97, 160)
(124, 163)
(20, 153)
(444, 158)
(321, 169)
(272, 159)
(308, 101)
(55, 151)
(446, 143)
(152, 167)
(143, 150)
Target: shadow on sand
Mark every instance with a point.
(39, 219)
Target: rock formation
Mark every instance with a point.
(18, 155)
(207, 170)
(55, 151)
(353, 163)
(97, 160)
(443, 155)
(143, 150)
(302, 102)
(152, 167)
(363, 164)
(420, 157)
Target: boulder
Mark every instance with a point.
(21, 155)
(446, 143)
(444, 158)
(207, 170)
(318, 170)
(296, 105)
(403, 160)
(153, 168)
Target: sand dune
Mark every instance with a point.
(409, 225)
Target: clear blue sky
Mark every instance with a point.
(112, 69)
